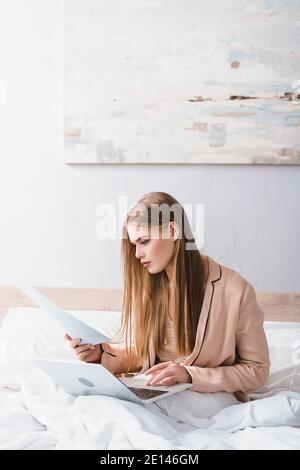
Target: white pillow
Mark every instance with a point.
(284, 346)
(30, 332)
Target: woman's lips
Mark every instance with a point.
(146, 264)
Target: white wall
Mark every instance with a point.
(48, 209)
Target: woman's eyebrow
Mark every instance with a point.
(140, 238)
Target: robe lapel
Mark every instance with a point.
(214, 275)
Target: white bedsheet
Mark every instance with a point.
(35, 414)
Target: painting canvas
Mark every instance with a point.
(182, 81)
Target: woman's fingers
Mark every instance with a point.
(84, 347)
(83, 355)
(167, 381)
(158, 372)
(171, 380)
(74, 343)
(158, 377)
(158, 367)
(82, 350)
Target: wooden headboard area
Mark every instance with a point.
(276, 306)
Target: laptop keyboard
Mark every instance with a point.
(146, 393)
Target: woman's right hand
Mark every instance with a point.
(85, 352)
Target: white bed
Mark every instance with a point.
(35, 414)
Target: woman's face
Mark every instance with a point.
(157, 251)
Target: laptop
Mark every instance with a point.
(73, 326)
(82, 378)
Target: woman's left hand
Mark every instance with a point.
(168, 373)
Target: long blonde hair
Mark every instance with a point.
(145, 295)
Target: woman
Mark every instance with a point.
(185, 317)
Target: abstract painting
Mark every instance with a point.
(182, 81)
